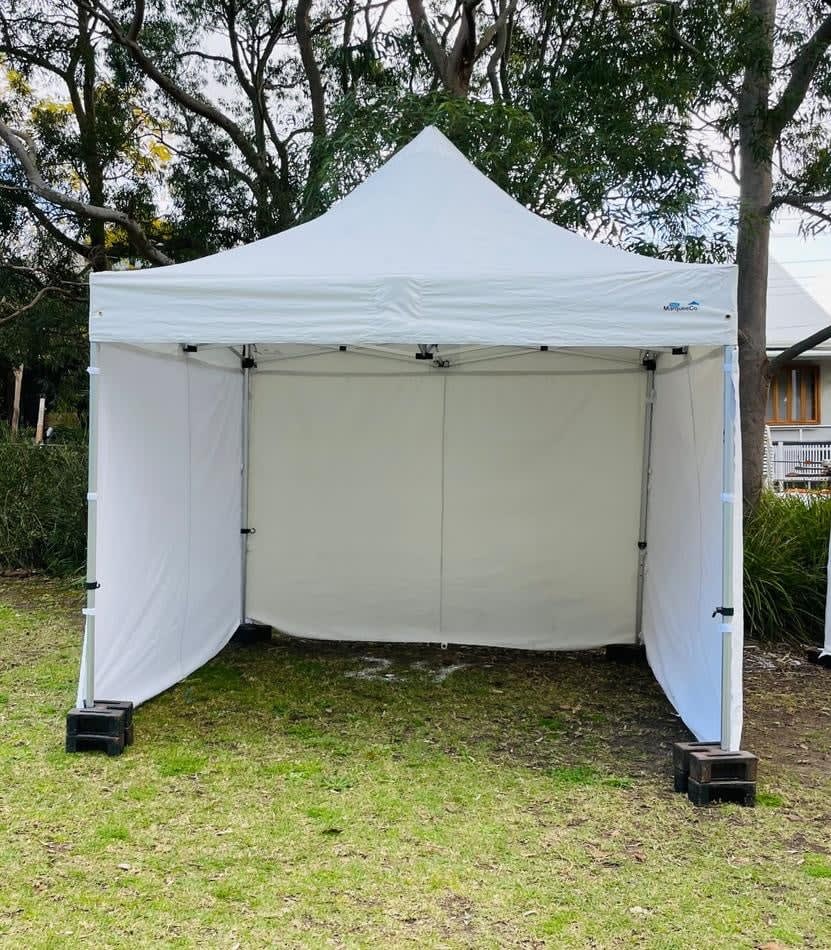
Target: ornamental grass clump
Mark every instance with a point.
(785, 557)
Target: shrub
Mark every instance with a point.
(785, 557)
(42, 505)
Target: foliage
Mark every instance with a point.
(42, 506)
(50, 342)
(785, 556)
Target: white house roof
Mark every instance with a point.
(793, 313)
(426, 250)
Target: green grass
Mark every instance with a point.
(273, 800)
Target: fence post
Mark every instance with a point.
(41, 415)
(18, 385)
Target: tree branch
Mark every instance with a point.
(427, 39)
(207, 110)
(804, 203)
(31, 304)
(803, 70)
(304, 41)
(20, 145)
(786, 356)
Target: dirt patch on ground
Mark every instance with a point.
(788, 712)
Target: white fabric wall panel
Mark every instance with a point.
(345, 497)
(518, 528)
(684, 558)
(168, 519)
(542, 488)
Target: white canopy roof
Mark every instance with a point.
(793, 313)
(426, 250)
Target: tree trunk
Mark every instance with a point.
(755, 152)
(752, 258)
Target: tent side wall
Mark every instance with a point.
(683, 583)
(168, 551)
(494, 504)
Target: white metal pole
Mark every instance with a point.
(728, 503)
(88, 684)
(244, 529)
(649, 363)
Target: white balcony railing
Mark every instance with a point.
(796, 463)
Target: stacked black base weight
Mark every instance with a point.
(626, 653)
(249, 633)
(708, 774)
(106, 726)
(816, 656)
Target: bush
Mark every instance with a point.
(785, 557)
(42, 506)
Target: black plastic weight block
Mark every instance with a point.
(707, 766)
(681, 761)
(704, 793)
(96, 722)
(815, 656)
(117, 704)
(247, 634)
(626, 653)
(98, 729)
(83, 742)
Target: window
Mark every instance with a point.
(793, 397)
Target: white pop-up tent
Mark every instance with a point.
(434, 417)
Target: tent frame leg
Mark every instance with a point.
(86, 688)
(728, 503)
(247, 363)
(650, 365)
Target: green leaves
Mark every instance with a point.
(785, 556)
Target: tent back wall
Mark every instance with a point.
(481, 506)
(169, 517)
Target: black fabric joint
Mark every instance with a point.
(247, 530)
(248, 362)
(724, 611)
(189, 348)
(650, 365)
(91, 585)
(641, 545)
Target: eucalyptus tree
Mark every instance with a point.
(783, 107)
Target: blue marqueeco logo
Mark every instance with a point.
(675, 306)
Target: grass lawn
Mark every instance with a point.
(302, 795)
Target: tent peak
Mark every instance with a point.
(430, 139)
